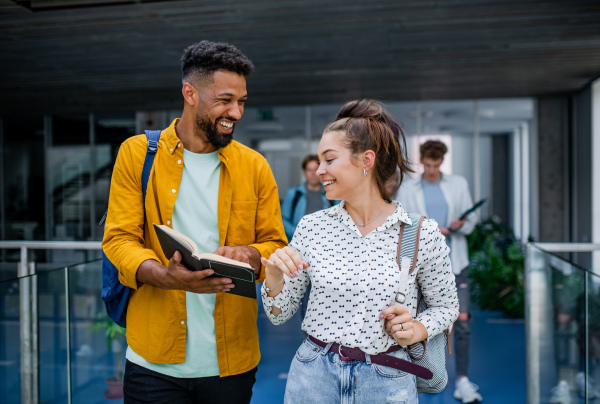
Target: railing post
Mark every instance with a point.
(25, 328)
(539, 341)
(35, 363)
(68, 325)
(532, 354)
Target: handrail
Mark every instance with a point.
(51, 245)
(568, 247)
(23, 245)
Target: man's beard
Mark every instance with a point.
(210, 129)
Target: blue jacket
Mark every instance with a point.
(290, 222)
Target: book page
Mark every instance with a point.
(219, 258)
(180, 237)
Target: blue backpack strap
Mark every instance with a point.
(114, 294)
(297, 197)
(153, 137)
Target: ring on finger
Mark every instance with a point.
(401, 327)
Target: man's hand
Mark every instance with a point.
(457, 224)
(243, 253)
(178, 277)
(444, 230)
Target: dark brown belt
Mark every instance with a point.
(350, 354)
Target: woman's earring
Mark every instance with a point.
(365, 171)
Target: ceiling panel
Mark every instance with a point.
(95, 55)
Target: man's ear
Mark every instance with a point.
(368, 159)
(190, 93)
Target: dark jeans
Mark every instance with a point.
(143, 385)
(462, 329)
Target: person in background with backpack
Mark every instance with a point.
(350, 253)
(302, 200)
(444, 198)
(188, 341)
(305, 198)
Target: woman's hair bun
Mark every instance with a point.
(366, 125)
(361, 109)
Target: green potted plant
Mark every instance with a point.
(497, 268)
(115, 341)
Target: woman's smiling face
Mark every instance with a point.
(342, 178)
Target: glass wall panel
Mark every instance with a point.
(110, 130)
(97, 359)
(69, 185)
(22, 215)
(563, 330)
(10, 343)
(53, 343)
(69, 177)
(593, 337)
(23, 168)
(568, 301)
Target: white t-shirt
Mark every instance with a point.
(196, 215)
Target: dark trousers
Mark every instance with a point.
(462, 329)
(143, 385)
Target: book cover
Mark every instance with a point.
(241, 273)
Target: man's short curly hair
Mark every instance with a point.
(308, 159)
(200, 60)
(433, 149)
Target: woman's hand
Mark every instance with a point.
(400, 325)
(284, 260)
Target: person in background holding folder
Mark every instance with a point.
(349, 254)
(188, 342)
(445, 198)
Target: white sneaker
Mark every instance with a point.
(467, 391)
(580, 382)
(561, 393)
(84, 351)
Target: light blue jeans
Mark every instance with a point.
(319, 376)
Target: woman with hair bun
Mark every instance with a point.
(349, 254)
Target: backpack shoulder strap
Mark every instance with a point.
(406, 255)
(297, 196)
(408, 245)
(153, 137)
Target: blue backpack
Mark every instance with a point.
(114, 294)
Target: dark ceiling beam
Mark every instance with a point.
(126, 56)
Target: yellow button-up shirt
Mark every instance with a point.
(249, 214)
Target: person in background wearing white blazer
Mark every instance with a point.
(445, 198)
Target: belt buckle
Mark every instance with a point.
(342, 357)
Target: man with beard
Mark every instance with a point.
(188, 341)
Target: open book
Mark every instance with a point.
(241, 273)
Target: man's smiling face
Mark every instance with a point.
(220, 106)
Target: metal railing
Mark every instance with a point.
(28, 308)
(551, 284)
